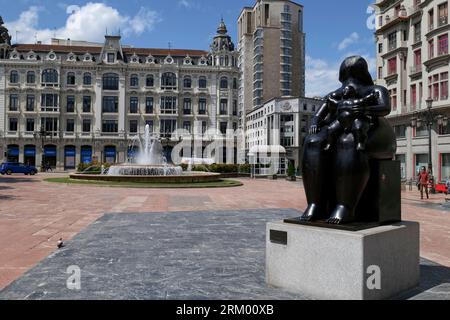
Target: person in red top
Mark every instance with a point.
(423, 182)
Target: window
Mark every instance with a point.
(393, 94)
(169, 105)
(12, 124)
(110, 126)
(110, 81)
(149, 105)
(31, 77)
(380, 72)
(380, 48)
(202, 106)
(187, 106)
(443, 44)
(110, 104)
(392, 41)
(150, 125)
(187, 82)
(187, 126)
(438, 86)
(30, 125)
(134, 105)
(49, 76)
(413, 96)
(49, 102)
(204, 126)
(392, 66)
(431, 19)
(417, 32)
(431, 49)
(134, 80)
(223, 127)
(444, 86)
(224, 83)
(70, 105)
(87, 79)
(70, 125)
(111, 58)
(169, 81)
(87, 104)
(149, 81)
(223, 107)
(30, 103)
(235, 83)
(14, 77)
(13, 102)
(202, 83)
(235, 104)
(50, 124)
(71, 79)
(443, 14)
(133, 126)
(166, 127)
(445, 165)
(86, 125)
(418, 59)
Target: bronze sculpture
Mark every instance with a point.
(348, 133)
(5, 38)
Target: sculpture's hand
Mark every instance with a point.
(314, 129)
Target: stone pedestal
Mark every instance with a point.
(377, 263)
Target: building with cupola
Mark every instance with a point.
(71, 102)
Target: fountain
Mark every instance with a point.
(150, 160)
(149, 165)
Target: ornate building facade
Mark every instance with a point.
(74, 101)
(413, 62)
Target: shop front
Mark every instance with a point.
(29, 155)
(69, 157)
(50, 156)
(86, 154)
(110, 154)
(12, 153)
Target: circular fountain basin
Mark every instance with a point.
(123, 173)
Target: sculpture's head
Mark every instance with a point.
(355, 68)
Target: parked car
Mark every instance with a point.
(15, 167)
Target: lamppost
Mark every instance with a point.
(42, 133)
(429, 117)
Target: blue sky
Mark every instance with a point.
(334, 29)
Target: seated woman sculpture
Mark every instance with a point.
(335, 175)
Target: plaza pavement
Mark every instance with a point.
(34, 214)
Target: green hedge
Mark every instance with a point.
(220, 168)
(92, 168)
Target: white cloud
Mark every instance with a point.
(351, 39)
(184, 3)
(322, 77)
(88, 22)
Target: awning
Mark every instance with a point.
(70, 152)
(50, 151)
(86, 154)
(13, 151)
(30, 151)
(110, 152)
(266, 149)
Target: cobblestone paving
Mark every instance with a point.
(180, 255)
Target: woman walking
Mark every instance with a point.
(423, 182)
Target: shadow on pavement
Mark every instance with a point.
(16, 179)
(431, 276)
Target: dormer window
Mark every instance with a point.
(134, 59)
(87, 57)
(51, 56)
(187, 61)
(111, 58)
(150, 59)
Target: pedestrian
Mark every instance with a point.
(423, 181)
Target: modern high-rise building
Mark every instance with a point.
(72, 101)
(413, 62)
(271, 46)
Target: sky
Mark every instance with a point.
(334, 29)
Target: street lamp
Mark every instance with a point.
(429, 117)
(42, 133)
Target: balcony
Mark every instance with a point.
(169, 111)
(49, 108)
(414, 10)
(415, 69)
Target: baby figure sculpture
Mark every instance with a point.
(348, 131)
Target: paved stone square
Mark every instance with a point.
(34, 214)
(179, 255)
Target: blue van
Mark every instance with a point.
(15, 167)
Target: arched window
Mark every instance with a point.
(169, 80)
(110, 81)
(221, 61)
(224, 83)
(14, 77)
(50, 76)
(187, 82)
(134, 80)
(226, 61)
(71, 78)
(31, 77)
(202, 82)
(149, 81)
(87, 79)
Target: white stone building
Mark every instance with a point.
(280, 126)
(71, 102)
(413, 63)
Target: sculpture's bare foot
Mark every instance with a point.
(340, 215)
(311, 213)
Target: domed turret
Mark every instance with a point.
(5, 40)
(222, 41)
